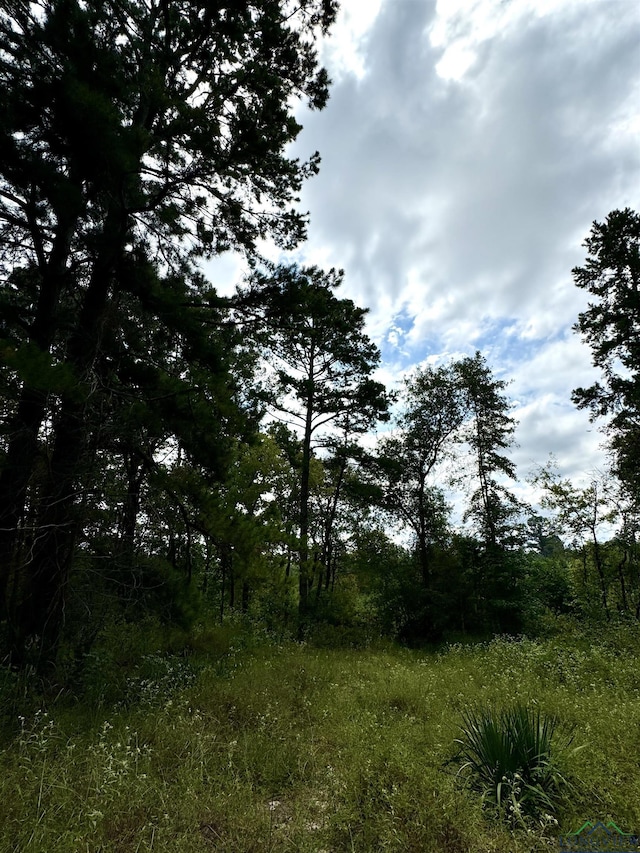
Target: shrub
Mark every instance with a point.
(509, 757)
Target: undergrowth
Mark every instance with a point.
(266, 747)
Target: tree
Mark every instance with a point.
(586, 515)
(132, 135)
(434, 410)
(322, 361)
(490, 431)
(495, 565)
(581, 514)
(444, 409)
(244, 518)
(611, 327)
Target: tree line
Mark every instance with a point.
(166, 450)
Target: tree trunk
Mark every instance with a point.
(623, 586)
(304, 578)
(224, 551)
(137, 468)
(597, 557)
(327, 544)
(41, 612)
(22, 450)
(423, 535)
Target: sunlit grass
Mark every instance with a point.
(290, 748)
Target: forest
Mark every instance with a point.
(182, 471)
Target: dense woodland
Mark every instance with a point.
(172, 457)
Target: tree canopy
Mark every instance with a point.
(134, 137)
(611, 327)
(322, 361)
(165, 449)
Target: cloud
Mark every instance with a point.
(484, 185)
(464, 160)
(466, 149)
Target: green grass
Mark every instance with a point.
(291, 748)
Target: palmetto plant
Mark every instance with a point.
(508, 756)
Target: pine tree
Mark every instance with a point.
(611, 327)
(322, 361)
(131, 134)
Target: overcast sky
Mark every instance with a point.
(466, 149)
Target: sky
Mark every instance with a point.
(467, 147)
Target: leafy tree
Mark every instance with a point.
(434, 410)
(602, 525)
(611, 327)
(549, 586)
(322, 361)
(343, 502)
(133, 135)
(626, 544)
(547, 562)
(387, 573)
(244, 518)
(542, 536)
(582, 514)
(445, 408)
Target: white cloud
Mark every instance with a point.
(345, 52)
(467, 147)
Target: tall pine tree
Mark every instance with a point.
(131, 133)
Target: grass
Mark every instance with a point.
(291, 748)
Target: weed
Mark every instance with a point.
(277, 747)
(510, 759)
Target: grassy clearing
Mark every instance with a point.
(290, 748)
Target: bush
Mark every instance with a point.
(509, 758)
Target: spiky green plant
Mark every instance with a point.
(509, 757)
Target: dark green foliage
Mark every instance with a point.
(548, 584)
(134, 138)
(402, 606)
(434, 411)
(474, 592)
(509, 756)
(489, 433)
(611, 327)
(322, 361)
(456, 414)
(495, 591)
